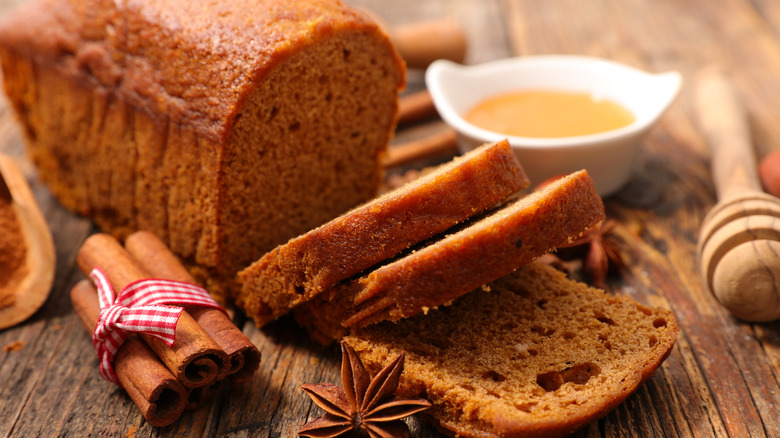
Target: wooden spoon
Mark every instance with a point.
(739, 241)
(33, 289)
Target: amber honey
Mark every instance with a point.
(548, 114)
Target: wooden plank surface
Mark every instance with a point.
(723, 377)
(723, 362)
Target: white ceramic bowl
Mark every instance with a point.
(609, 156)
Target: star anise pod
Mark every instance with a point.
(601, 251)
(363, 403)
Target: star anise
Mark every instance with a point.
(363, 403)
(600, 252)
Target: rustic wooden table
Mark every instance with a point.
(723, 377)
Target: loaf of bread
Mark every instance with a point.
(224, 127)
(533, 355)
(307, 265)
(435, 274)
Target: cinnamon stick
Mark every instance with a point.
(160, 397)
(445, 141)
(154, 256)
(194, 358)
(198, 397)
(414, 107)
(423, 42)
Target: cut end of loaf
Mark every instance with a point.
(537, 355)
(510, 237)
(379, 230)
(461, 260)
(307, 145)
(225, 133)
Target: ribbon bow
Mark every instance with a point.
(140, 308)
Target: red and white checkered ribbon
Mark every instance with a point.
(140, 308)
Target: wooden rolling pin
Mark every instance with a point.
(739, 241)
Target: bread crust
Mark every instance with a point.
(305, 266)
(480, 252)
(538, 355)
(193, 63)
(220, 126)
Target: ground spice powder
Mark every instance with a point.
(13, 251)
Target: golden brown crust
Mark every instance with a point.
(305, 266)
(582, 353)
(488, 249)
(193, 62)
(216, 125)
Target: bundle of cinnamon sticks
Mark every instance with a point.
(163, 380)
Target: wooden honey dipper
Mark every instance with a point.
(739, 241)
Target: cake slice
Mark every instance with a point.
(490, 248)
(305, 266)
(535, 355)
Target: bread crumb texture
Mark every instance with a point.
(482, 251)
(223, 127)
(309, 264)
(540, 355)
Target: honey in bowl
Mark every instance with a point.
(548, 114)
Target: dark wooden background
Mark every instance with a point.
(723, 377)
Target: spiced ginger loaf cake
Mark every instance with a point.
(533, 355)
(464, 259)
(223, 127)
(307, 265)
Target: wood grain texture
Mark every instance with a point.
(715, 389)
(723, 377)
